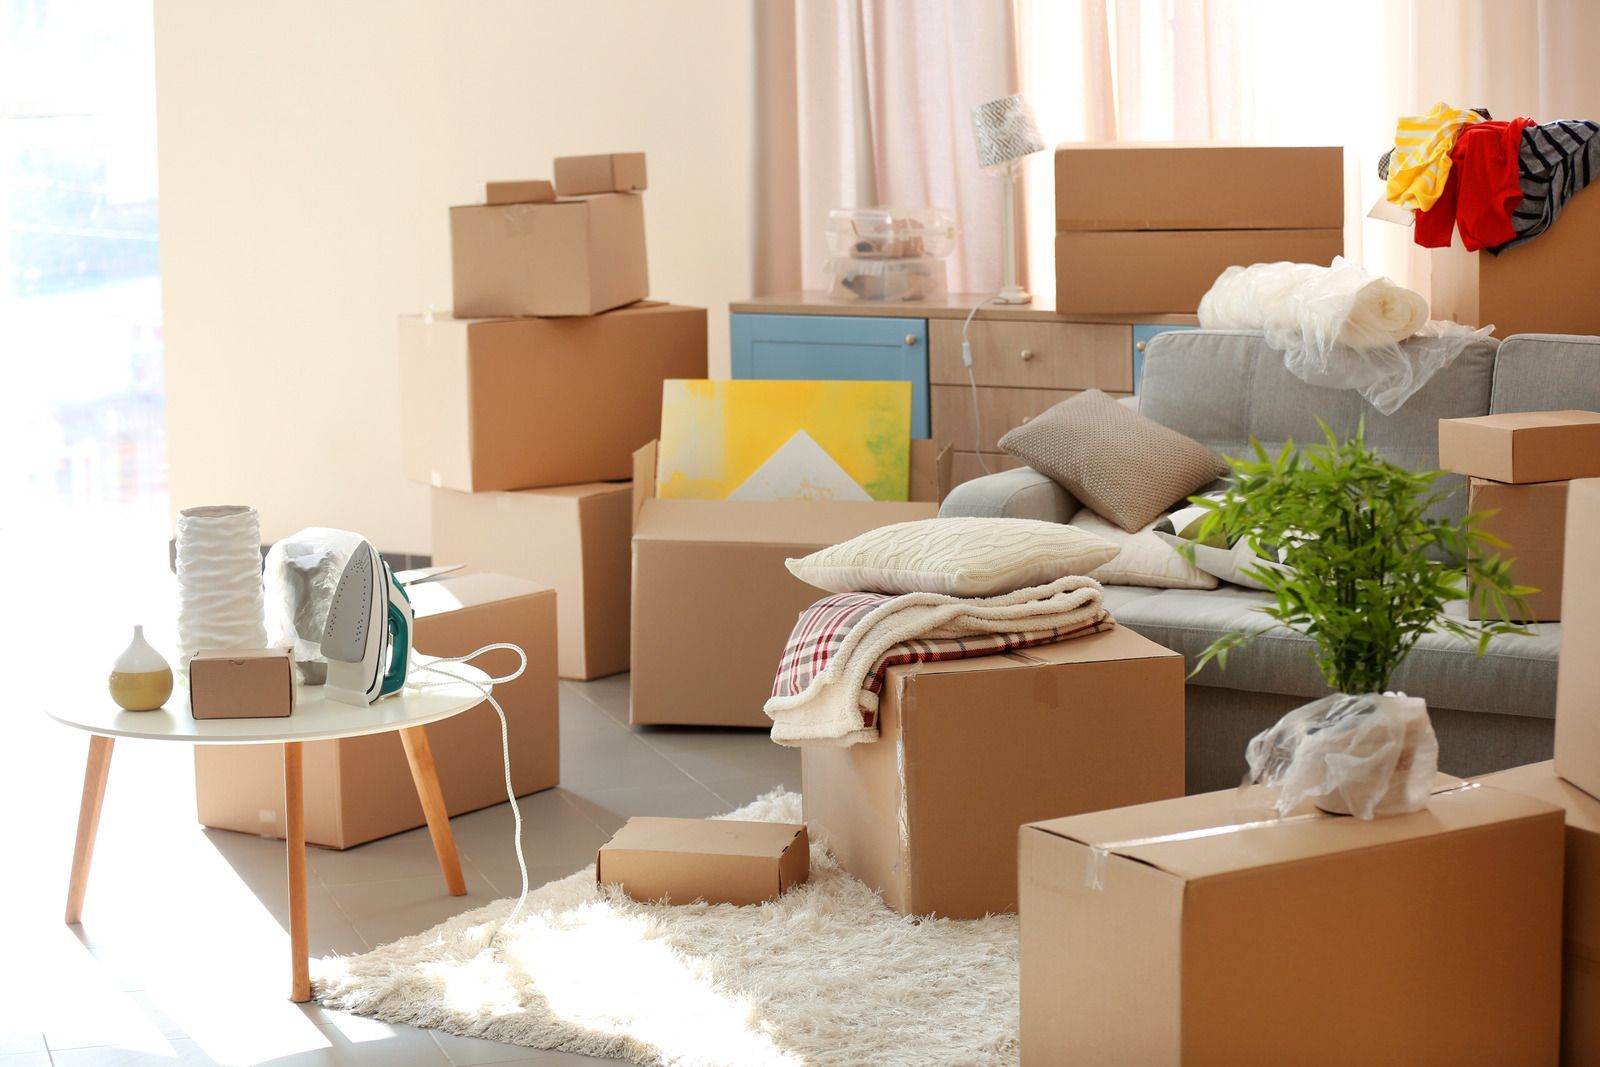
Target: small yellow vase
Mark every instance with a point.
(141, 680)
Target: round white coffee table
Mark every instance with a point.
(315, 718)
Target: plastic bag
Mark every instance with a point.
(1339, 326)
(301, 573)
(1367, 755)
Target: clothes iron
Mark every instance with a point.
(367, 640)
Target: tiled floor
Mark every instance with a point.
(182, 955)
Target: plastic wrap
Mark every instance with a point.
(301, 573)
(1339, 326)
(1367, 755)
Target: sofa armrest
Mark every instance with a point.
(1022, 493)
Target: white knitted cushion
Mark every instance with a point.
(957, 557)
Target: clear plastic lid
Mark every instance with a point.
(920, 278)
(890, 233)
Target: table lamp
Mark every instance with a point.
(1006, 135)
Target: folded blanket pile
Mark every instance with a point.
(833, 667)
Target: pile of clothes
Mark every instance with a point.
(1500, 184)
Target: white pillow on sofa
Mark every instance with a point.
(1143, 558)
(956, 557)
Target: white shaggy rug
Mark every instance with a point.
(827, 974)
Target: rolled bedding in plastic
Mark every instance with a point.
(1339, 326)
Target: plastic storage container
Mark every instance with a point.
(889, 233)
(921, 278)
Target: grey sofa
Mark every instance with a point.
(1224, 388)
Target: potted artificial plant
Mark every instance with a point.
(1371, 562)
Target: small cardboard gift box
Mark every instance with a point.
(1203, 930)
(241, 683)
(1522, 446)
(719, 861)
(970, 749)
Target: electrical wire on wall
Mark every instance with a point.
(966, 359)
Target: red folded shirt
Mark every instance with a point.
(1482, 190)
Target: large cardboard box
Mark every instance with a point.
(1532, 521)
(1191, 931)
(969, 750)
(576, 539)
(719, 861)
(1580, 970)
(562, 257)
(491, 404)
(360, 788)
(1544, 286)
(713, 604)
(1578, 682)
(1522, 446)
(1177, 186)
(1168, 271)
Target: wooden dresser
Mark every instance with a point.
(1025, 358)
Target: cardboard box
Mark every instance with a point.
(971, 749)
(360, 788)
(565, 257)
(718, 861)
(1216, 935)
(1532, 521)
(490, 404)
(1522, 446)
(1580, 970)
(1578, 681)
(618, 172)
(242, 683)
(1168, 271)
(523, 192)
(1544, 286)
(713, 604)
(576, 539)
(1176, 186)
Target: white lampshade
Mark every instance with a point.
(1005, 132)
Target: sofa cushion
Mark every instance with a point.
(1517, 676)
(1547, 372)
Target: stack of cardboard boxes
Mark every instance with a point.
(523, 409)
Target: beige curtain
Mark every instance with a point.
(868, 102)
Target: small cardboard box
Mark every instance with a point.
(1191, 931)
(1544, 286)
(575, 539)
(1532, 521)
(1522, 446)
(1176, 186)
(523, 192)
(1578, 681)
(241, 683)
(618, 172)
(1168, 271)
(713, 604)
(490, 404)
(563, 257)
(719, 861)
(360, 788)
(971, 749)
(1580, 972)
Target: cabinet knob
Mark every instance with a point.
(1026, 354)
(1141, 346)
(911, 338)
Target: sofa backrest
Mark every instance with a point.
(1547, 372)
(1225, 387)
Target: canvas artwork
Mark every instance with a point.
(784, 440)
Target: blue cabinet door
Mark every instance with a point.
(1141, 338)
(836, 348)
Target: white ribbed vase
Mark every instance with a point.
(219, 581)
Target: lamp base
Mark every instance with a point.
(1014, 294)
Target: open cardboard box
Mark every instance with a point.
(713, 604)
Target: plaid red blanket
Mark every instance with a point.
(822, 628)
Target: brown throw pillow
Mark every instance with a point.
(1114, 460)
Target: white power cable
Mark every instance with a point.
(966, 359)
(433, 667)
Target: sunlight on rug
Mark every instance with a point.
(826, 974)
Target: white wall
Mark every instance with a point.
(309, 151)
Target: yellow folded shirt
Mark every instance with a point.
(1421, 160)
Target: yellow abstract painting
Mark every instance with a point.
(754, 440)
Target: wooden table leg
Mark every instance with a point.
(94, 792)
(294, 805)
(420, 756)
